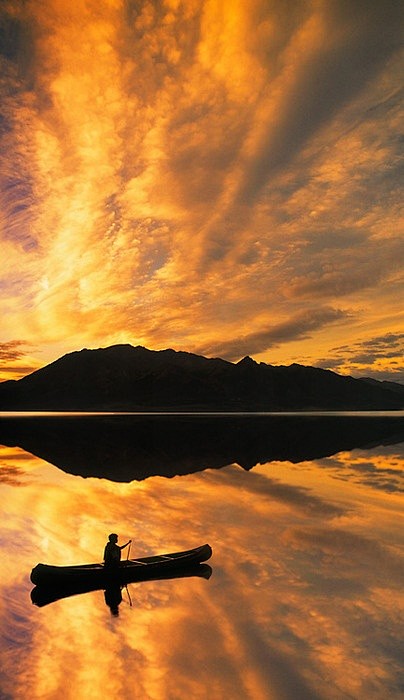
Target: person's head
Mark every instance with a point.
(113, 538)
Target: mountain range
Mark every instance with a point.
(127, 378)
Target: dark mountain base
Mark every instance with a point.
(124, 378)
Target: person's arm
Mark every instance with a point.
(125, 545)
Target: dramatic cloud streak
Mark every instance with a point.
(210, 176)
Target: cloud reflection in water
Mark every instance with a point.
(302, 603)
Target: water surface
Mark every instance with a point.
(303, 603)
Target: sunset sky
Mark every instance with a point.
(214, 176)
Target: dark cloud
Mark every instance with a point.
(389, 340)
(320, 241)
(368, 352)
(13, 349)
(366, 472)
(366, 554)
(17, 61)
(336, 586)
(358, 39)
(331, 274)
(17, 44)
(297, 497)
(21, 370)
(17, 202)
(394, 372)
(14, 359)
(369, 357)
(285, 679)
(12, 476)
(301, 498)
(298, 327)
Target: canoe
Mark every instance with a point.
(133, 569)
(44, 595)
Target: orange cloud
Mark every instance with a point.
(178, 174)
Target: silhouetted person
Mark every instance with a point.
(113, 598)
(112, 552)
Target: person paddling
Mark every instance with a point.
(112, 551)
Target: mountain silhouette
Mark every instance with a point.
(128, 448)
(126, 378)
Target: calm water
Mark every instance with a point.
(304, 599)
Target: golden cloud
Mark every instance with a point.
(168, 166)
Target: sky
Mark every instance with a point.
(214, 176)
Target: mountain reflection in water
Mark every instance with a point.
(304, 599)
(124, 448)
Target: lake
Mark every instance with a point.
(305, 518)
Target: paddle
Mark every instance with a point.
(126, 585)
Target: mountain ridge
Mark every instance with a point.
(125, 377)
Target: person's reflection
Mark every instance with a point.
(113, 598)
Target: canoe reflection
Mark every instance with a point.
(43, 595)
